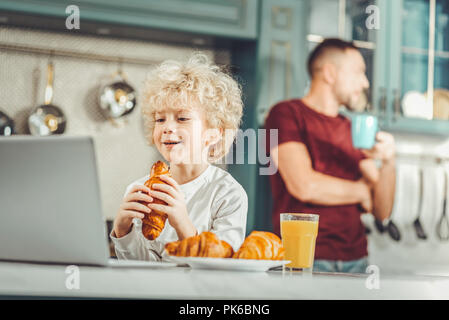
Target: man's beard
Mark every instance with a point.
(345, 101)
(355, 104)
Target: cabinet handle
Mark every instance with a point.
(383, 101)
(397, 103)
(369, 104)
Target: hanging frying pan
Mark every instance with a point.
(6, 125)
(117, 98)
(47, 119)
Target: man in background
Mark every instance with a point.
(320, 171)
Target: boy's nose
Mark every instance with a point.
(169, 127)
(168, 130)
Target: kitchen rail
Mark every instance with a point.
(74, 54)
(427, 157)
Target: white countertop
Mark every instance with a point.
(40, 280)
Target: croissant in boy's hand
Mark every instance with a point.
(206, 244)
(154, 222)
(261, 245)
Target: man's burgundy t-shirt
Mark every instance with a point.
(341, 235)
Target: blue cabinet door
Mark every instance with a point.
(228, 18)
(418, 53)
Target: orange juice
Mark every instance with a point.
(298, 239)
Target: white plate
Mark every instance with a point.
(229, 263)
(139, 264)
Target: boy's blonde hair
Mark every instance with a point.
(200, 82)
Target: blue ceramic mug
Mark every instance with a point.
(364, 128)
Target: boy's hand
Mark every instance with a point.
(131, 208)
(175, 209)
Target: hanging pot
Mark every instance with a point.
(117, 98)
(6, 125)
(47, 119)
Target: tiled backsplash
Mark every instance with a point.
(122, 152)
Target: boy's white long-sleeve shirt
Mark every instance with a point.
(215, 202)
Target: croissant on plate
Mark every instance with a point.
(154, 222)
(205, 244)
(261, 245)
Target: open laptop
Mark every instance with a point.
(50, 207)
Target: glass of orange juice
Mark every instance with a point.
(299, 232)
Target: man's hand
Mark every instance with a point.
(382, 180)
(384, 149)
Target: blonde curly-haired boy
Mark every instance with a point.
(192, 111)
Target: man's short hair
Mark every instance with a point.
(324, 47)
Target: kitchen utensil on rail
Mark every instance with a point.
(389, 226)
(393, 230)
(47, 119)
(417, 223)
(117, 98)
(6, 125)
(379, 226)
(443, 223)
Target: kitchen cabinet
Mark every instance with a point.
(227, 18)
(418, 60)
(408, 50)
(347, 19)
(365, 22)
